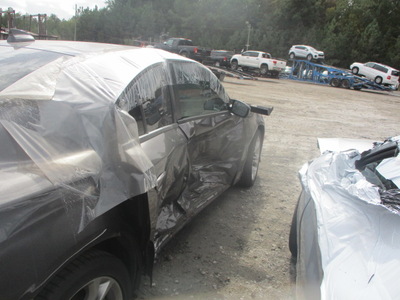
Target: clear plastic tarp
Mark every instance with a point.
(64, 123)
(356, 234)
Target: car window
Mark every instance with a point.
(197, 90)
(185, 43)
(370, 64)
(395, 73)
(380, 68)
(147, 99)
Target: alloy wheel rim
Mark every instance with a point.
(100, 288)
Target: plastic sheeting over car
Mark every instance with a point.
(60, 127)
(349, 245)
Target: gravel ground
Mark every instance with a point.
(237, 248)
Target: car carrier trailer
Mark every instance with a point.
(323, 74)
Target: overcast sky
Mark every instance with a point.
(63, 9)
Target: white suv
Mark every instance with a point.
(379, 73)
(307, 52)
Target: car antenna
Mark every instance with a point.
(19, 36)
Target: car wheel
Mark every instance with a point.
(355, 70)
(264, 70)
(185, 54)
(94, 275)
(309, 57)
(217, 64)
(250, 169)
(234, 65)
(335, 82)
(378, 80)
(293, 234)
(345, 83)
(292, 56)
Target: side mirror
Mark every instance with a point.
(239, 108)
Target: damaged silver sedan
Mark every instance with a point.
(346, 226)
(106, 152)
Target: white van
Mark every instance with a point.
(379, 73)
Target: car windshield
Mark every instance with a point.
(22, 62)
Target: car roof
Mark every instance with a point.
(38, 70)
(383, 65)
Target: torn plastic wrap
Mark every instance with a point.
(357, 233)
(68, 130)
(73, 136)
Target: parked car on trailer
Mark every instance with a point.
(219, 58)
(306, 52)
(258, 61)
(184, 47)
(107, 151)
(379, 73)
(344, 233)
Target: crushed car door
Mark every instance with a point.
(148, 100)
(215, 137)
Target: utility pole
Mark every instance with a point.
(248, 35)
(76, 17)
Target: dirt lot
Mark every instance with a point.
(237, 248)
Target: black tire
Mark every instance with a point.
(378, 80)
(355, 70)
(234, 65)
(250, 169)
(264, 69)
(292, 56)
(335, 82)
(345, 84)
(293, 234)
(309, 57)
(85, 276)
(184, 54)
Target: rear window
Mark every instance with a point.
(17, 63)
(395, 73)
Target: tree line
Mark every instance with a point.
(346, 30)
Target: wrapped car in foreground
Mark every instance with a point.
(345, 234)
(106, 152)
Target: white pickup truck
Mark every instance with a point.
(258, 60)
